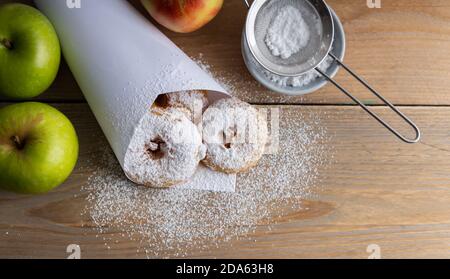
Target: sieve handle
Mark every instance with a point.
(248, 3)
(378, 95)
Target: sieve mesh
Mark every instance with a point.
(308, 57)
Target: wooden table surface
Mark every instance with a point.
(377, 190)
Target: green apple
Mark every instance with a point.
(30, 53)
(38, 148)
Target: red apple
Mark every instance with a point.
(183, 16)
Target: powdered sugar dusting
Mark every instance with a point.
(235, 134)
(189, 100)
(165, 149)
(246, 89)
(176, 222)
(301, 80)
(288, 32)
(194, 101)
(172, 222)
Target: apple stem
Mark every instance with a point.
(7, 43)
(18, 142)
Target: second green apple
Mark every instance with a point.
(38, 148)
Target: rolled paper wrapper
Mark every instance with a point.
(122, 62)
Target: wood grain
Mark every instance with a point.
(402, 49)
(376, 191)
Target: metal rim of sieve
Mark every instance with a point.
(298, 69)
(324, 51)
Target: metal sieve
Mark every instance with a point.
(318, 17)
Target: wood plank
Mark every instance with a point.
(375, 191)
(403, 49)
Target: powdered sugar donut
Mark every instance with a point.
(235, 134)
(165, 149)
(195, 102)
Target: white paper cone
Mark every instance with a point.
(122, 63)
